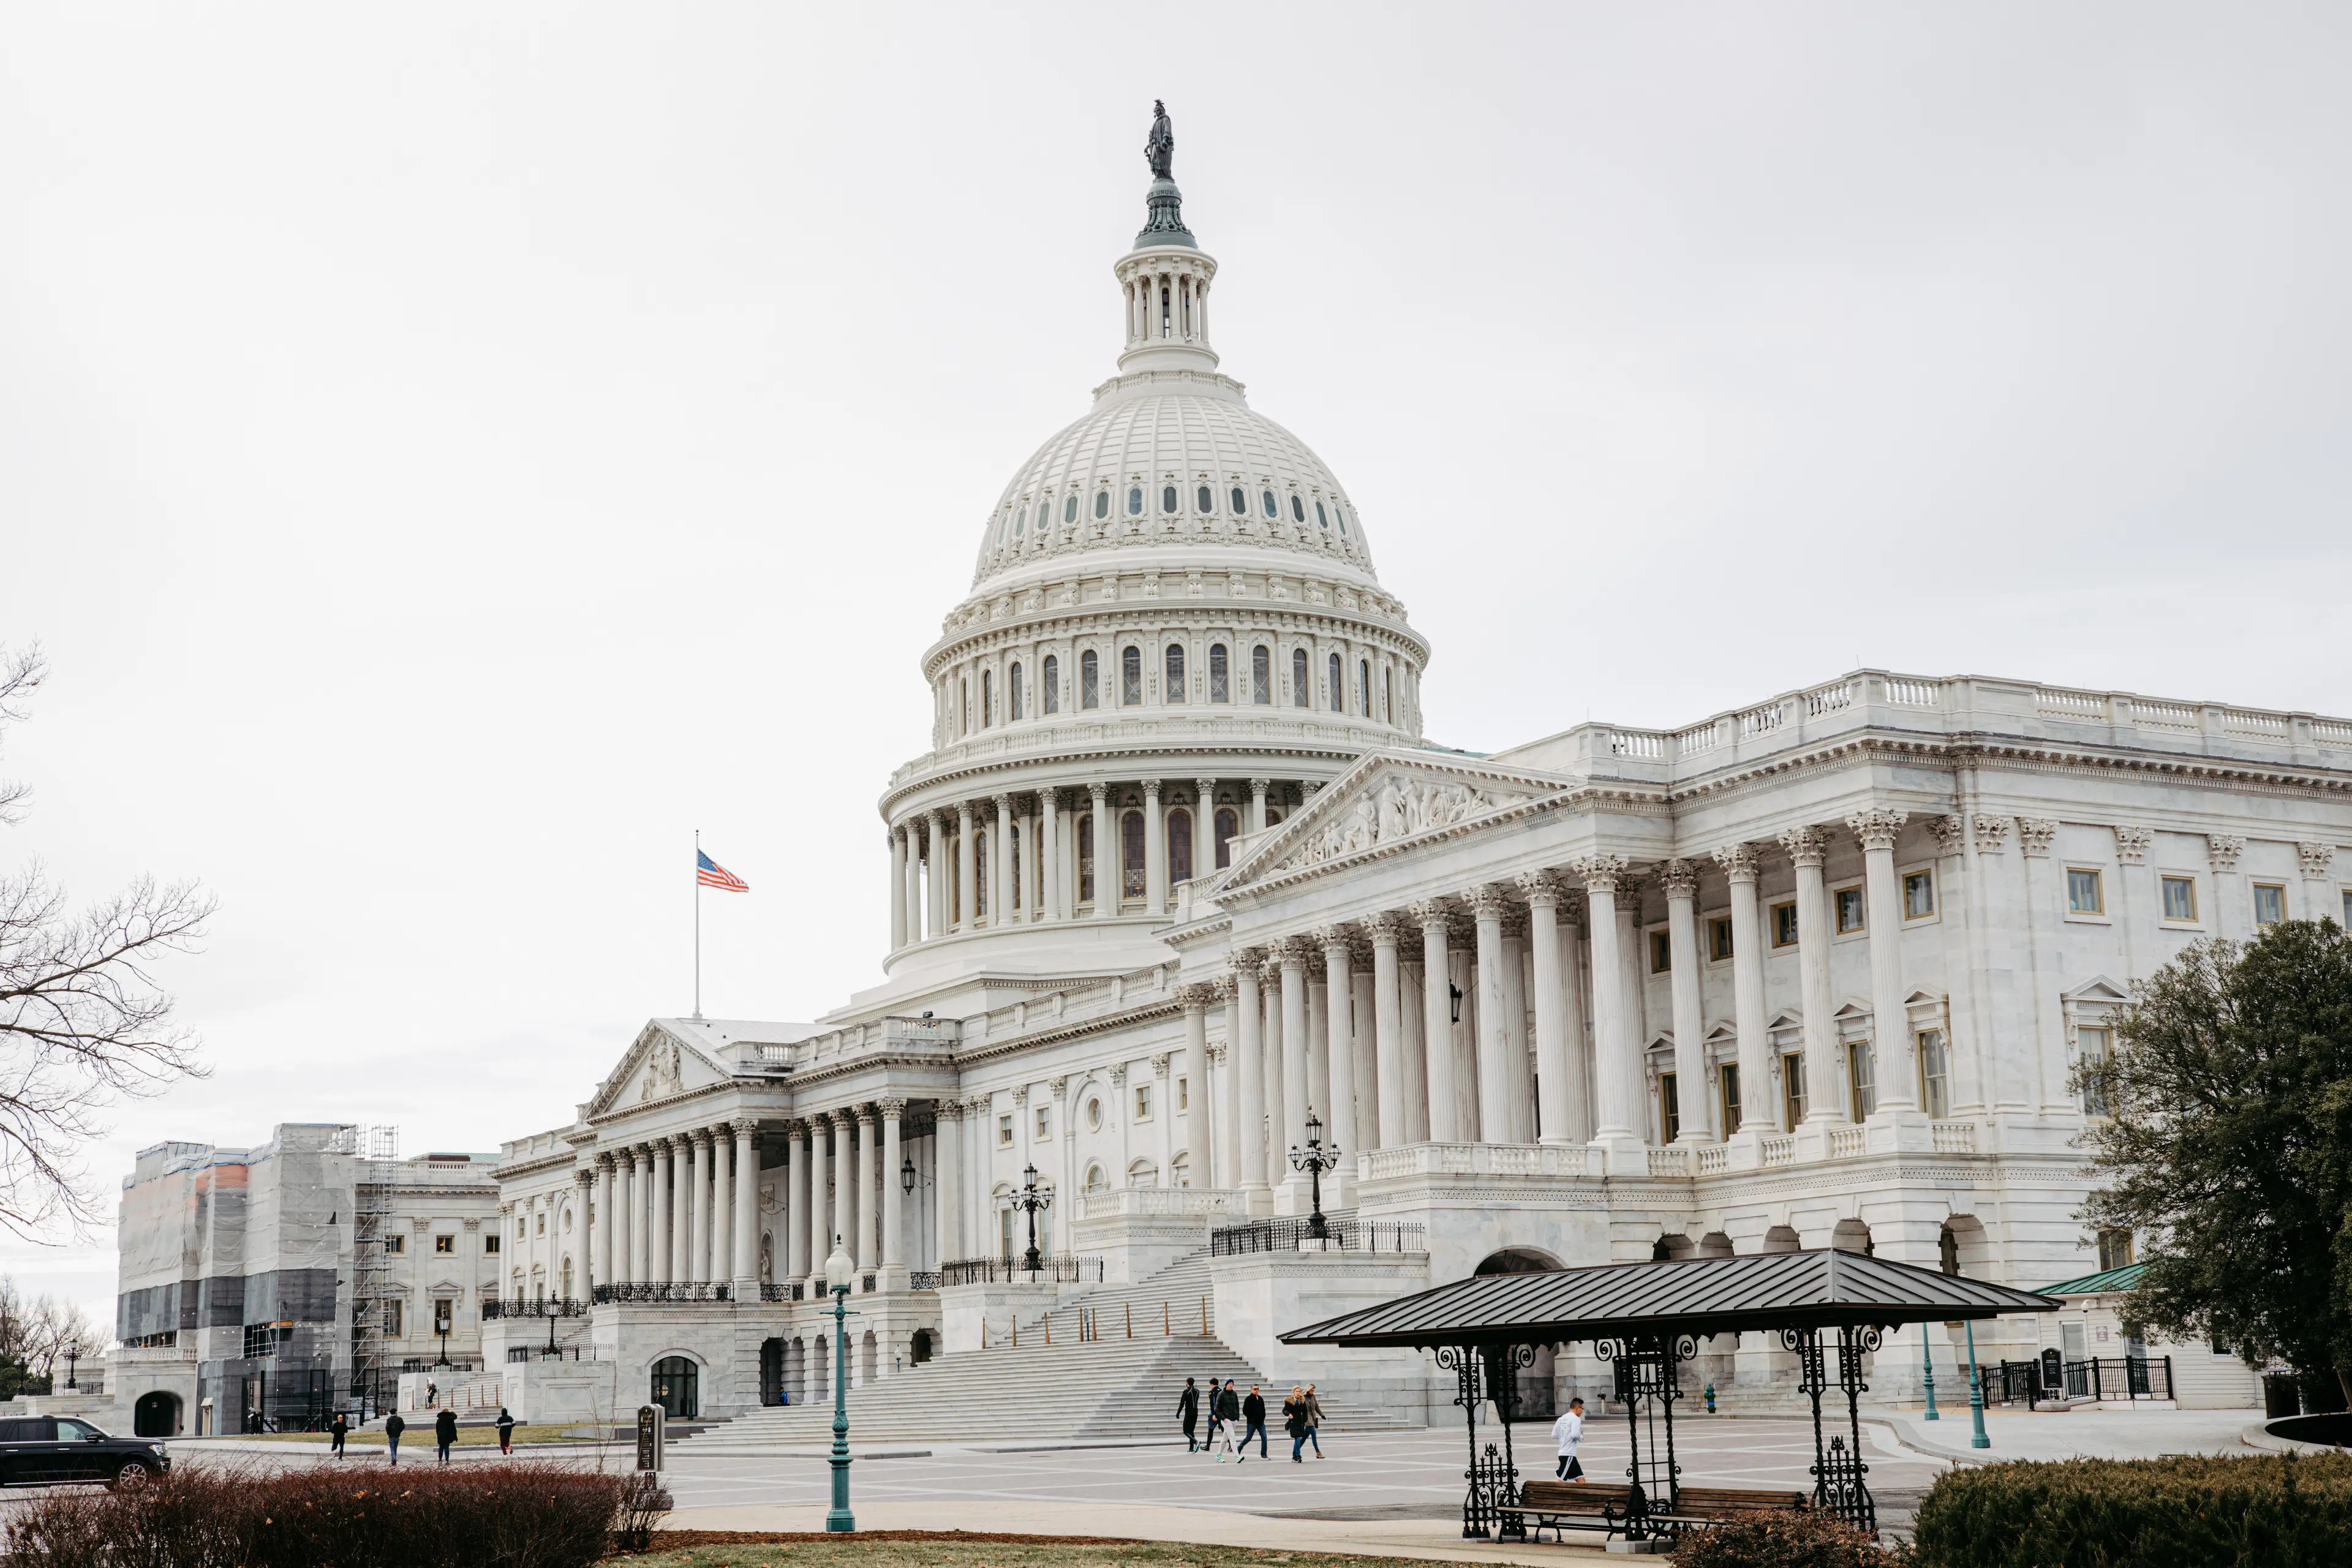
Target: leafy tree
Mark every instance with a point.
(82, 1023)
(2228, 1146)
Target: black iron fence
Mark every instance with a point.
(1013, 1271)
(516, 1353)
(2029, 1383)
(1341, 1234)
(925, 1279)
(550, 1307)
(791, 1291)
(672, 1292)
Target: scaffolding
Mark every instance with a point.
(378, 1149)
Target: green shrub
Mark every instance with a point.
(1786, 1541)
(2270, 1511)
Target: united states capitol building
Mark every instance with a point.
(1182, 869)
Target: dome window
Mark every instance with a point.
(1364, 687)
(1131, 678)
(1102, 503)
(1261, 676)
(1051, 694)
(1342, 516)
(1012, 692)
(1020, 522)
(1228, 822)
(1273, 509)
(1168, 499)
(1241, 502)
(1175, 672)
(1220, 687)
(987, 697)
(1070, 513)
(1320, 520)
(1301, 693)
(1298, 508)
(1135, 501)
(1089, 681)
(1130, 856)
(1339, 687)
(1205, 501)
(1044, 514)
(1180, 846)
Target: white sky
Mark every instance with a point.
(450, 453)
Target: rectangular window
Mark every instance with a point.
(1044, 1126)
(541, 1225)
(1792, 1086)
(1719, 938)
(1784, 925)
(1183, 1094)
(1086, 837)
(1053, 692)
(1661, 951)
(2181, 898)
(1005, 1132)
(1727, 1077)
(2115, 1249)
(1143, 1102)
(1935, 1074)
(1847, 902)
(2347, 909)
(1130, 677)
(2269, 904)
(1220, 684)
(491, 1243)
(1670, 1116)
(2084, 895)
(395, 1244)
(260, 1339)
(1862, 1090)
(1090, 679)
(395, 1320)
(1918, 894)
(2097, 1048)
(444, 1316)
(445, 1244)
(1261, 676)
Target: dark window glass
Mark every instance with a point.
(1297, 508)
(1339, 685)
(1012, 692)
(1168, 498)
(1364, 687)
(1180, 846)
(1321, 521)
(1135, 501)
(1261, 675)
(1205, 501)
(1175, 672)
(1342, 516)
(1130, 677)
(1052, 683)
(1089, 681)
(1020, 524)
(1102, 503)
(1241, 502)
(1272, 509)
(987, 696)
(1070, 512)
(1228, 822)
(979, 872)
(1130, 855)
(1086, 857)
(1044, 514)
(1220, 689)
(1301, 690)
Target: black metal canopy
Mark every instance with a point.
(1815, 1289)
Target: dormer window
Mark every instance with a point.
(1135, 501)
(1321, 521)
(1167, 499)
(1273, 508)
(1102, 503)
(1020, 523)
(1241, 502)
(1070, 513)
(1298, 508)
(1204, 502)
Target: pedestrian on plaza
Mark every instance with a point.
(337, 1429)
(1254, 1412)
(1228, 1412)
(393, 1428)
(445, 1432)
(1568, 1432)
(506, 1431)
(1188, 1411)
(1314, 1419)
(1294, 1421)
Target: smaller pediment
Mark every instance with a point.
(2099, 990)
(659, 1065)
(1385, 800)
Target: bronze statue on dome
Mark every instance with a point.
(1160, 147)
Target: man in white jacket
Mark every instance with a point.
(1568, 1432)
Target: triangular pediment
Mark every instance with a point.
(1386, 801)
(2099, 988)
(659, 1065)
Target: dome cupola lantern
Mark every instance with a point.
(1164, 280)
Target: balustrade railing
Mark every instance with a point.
(793, 1290)
(1013, 1271)
(925, 1279)
(1780, 1150)
(1954, 1137)
(643, 1292)
(1341, 1234)
(1845, 1143)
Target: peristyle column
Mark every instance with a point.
(1551, 1034)
(1437, 1023)
(744, 1260)
(1693, 1105)
(967, 872)
(1108, 870)
(1388, 1031)
(1897, 1078)
(1155, 854)
(696, 1268)
(1616, 1071)
(1497, 1081)
(1824, 1097)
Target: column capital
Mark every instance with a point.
(1952, 834)
(949, 1109)
(1099, 791)
(2132, 841)
(742, 1126)
(1538, 888)
(891, 1106)
(1290, 952)
(584, 1175)
(1680, 878)
(700, 1137)
(604, 1161)
(1002, 801)
(1991, 833)
(1259, 786)
(1738, 862)
(866, 1112)
(1116, 1072)
(1385, 928)
(1332, 939)
(1151, 789)
(1160, 1061)
(1219, 1050)
(2035, 834)
(2223, 850)
(1877, 828)
(2317, 858)
(1488, 901)
(1432, 913)
(1600, 873)
(1207, 789)
(795, 1129)
(1805, 846)
(964, 814)
(1195, 997)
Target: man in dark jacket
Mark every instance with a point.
(338, 1429)
(445, 1432)
(1294, 1422)
(1254, 1412)
(505, 1432)
(1225, 1414)
(393, 1428)
(1188, 1411)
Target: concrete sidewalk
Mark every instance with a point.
(2072, 1435)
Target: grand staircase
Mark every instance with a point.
(1103, 1388)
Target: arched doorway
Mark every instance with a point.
(1536, 1383)
(1517, 1260)
(1853, 1236)
(157, 1415)
(677, 1387)
(918, 1350)
(772, 1371)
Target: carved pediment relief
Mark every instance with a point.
(657, 1066)
(1382, 802)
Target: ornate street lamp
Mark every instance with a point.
(1976, 1392)
(1315, 1160)
(1029, 1200)
(906, 1176)
(73, 1354)
(1454, 1000)
(1927, 1371)
(838, 1268)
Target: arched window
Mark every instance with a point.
(1175, 672)
(1364, 687)
(1220, 686)
(1241, 502)
(1298, 508)
(1020, 523)
(1012, 692)
(1272, 509)
(1228, 822)
(1102, 503)
(1130, 677)
(1168, 498)
(1044, 514)
(1096, 1180)
(987, 696)
(1070, 512)
(1205, 501)
(675, 1387)
(1180, 846)
(1302, 691)
(1322, 521)
(1089, 681)
(963, 698)
(1261, 675)
(1339, 513)
(1086, 857)
(1135, 501)
(980, 873)
(1339, 687)
(1388, 697)
(1053, 693)
(1130, 855)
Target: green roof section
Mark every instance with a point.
(2106, 1282)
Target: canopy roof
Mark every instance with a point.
(1823, 1288)
(2105, 1282)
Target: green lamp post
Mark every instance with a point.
(1976, 1392)
(1927, 1371)
(838, 1268)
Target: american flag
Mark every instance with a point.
(710, 873)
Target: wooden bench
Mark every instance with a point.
(1568, 1505)
(1715, 1505)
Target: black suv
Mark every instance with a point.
(36, 1450)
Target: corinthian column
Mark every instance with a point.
(1694, 1105)
(1108, 872)
(1497, 1081)
(947, 1161)
(1056, 901)
(1388, 1032)
(697, 1207)
(1290, 1128)
(966, 871)
(1756, 1115)
(1340, 1120)
(722, 1210)
(1155, 853)
(1248, 1075)
(1824, 1081)
(744, 1255)
(893, 1249)
(1550, 1008)
(602, 1259)
(1437, 1023)
(844, 1230)
(1896, 1079)
(867, 1217)
(1000, 882)
(1198, 1145)
(895, 839)
(1616, 1065)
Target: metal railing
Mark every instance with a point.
(925, 1279)
(790, 1291)
(552, 1307)
(2096, 1378)
(523, 1353)
(1343, 1235)
(718, 1291)
(1010, 1271)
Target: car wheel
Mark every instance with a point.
(132, 1475)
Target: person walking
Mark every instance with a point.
(1294, 1422)
(393, 1428)
(1314, 1419)
(445, 1432)
(1568, 1432)
(1188, 1411)
(1254, 1412)
(1227, 1411)
(505, 1432)
(338, 1429)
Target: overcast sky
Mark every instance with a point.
(451, 453)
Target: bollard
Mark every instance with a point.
(1130, 1319)
(1049, 1328)
(1163, 1319)
(1710, 1399)
(1204, 1317)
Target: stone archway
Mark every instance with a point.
(1538, 1381)
(1518, 1260)
(156, 1415)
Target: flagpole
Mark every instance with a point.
(697, 925)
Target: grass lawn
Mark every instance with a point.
(420, 1436)
(892, 1549)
